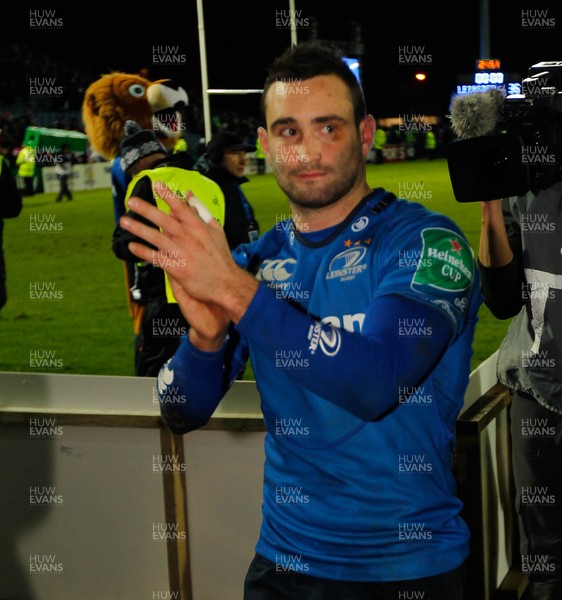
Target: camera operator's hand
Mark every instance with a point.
(494, 244)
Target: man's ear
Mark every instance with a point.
(264, 141)
(367, 129)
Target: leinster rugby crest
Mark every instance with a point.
(346, 265)
(446, 261)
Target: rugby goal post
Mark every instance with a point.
(206, 91)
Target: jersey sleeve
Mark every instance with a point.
(119, 183)
(192, 383)
(430, 262)
(343, 365)
(248, 256)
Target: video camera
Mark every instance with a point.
(508, 144)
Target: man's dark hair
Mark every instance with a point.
(310, 59)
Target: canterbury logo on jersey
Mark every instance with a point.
(360, 224)
(276, 270)
(347, 264)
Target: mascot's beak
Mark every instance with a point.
(167, 99)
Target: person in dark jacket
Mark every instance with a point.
(63, 170)
(159, 323)
(10, 207)
(224, 162)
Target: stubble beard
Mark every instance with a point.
(330, 193)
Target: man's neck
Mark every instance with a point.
(317, 219)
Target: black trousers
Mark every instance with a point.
(28, 183)
(266, 581)
(536, 434)
(159, 338)
(64, 190)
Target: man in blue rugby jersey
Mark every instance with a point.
(358, 315)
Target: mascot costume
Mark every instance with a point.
(116, 98)
(108, 104)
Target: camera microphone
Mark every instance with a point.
(483, 164)
(476, 114)
(507, 144)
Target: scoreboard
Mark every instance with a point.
(488, 74)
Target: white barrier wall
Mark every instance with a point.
(88, 176)
(87, 534)
(97, 175)
(82, 506)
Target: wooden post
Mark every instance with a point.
(175, 508)
(474, 487)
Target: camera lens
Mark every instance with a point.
(487, 167)
(491, 163)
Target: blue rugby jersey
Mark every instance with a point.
(360, 340)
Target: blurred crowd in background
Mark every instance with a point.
(19, 110)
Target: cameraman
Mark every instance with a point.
(520, 261)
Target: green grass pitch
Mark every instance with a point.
(82, 324)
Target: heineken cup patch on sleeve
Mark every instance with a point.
(446, 261)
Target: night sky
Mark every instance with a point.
(244, 37)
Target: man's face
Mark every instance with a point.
(234, 162)
(316, 152)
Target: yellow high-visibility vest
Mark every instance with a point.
(380, 139)
(181, 145)
(181, 181)
(26, 162)
(430, 140)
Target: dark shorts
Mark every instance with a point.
(265, 581)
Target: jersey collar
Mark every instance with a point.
(378, 199)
